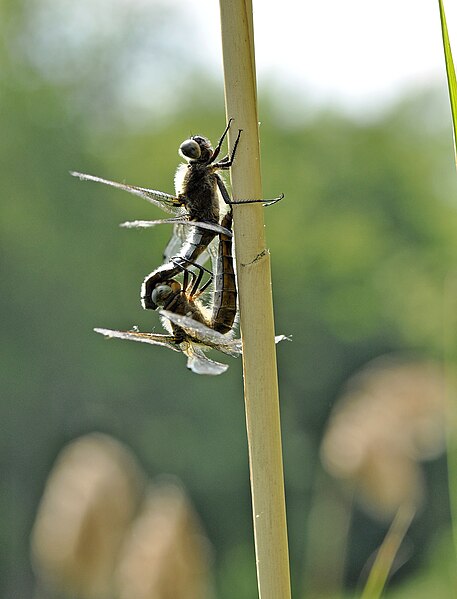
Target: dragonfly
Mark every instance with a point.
(196, 206)
(193, 328)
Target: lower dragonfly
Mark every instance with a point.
(194, 328)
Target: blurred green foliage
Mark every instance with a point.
(361, 248)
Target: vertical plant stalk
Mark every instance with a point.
(256, 308)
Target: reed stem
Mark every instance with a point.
(256, 307)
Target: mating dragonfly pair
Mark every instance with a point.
(193, 328)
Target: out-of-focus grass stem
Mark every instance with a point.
(387, 552)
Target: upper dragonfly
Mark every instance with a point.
(194, 328)
(196, 206)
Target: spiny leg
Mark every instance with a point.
(269, 202)
(230, 202)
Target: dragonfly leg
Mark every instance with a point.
(227, 162)
(185, 281)
(189, 286)
(196, 279)
(227, 199)
(217, 149)
(269, 202)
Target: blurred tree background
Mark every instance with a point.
(361, 248)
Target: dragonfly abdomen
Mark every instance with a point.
(196, 243)
(225, 292)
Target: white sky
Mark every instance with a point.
(357, 54)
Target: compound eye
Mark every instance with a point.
(160, 294)
(190, 149)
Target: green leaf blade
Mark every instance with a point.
(451, 78)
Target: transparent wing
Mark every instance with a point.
(196, 359)
(201, 364)
(280, 338)
(144, 224)
(152, 338)
(175, 243)
(203, 334)
(163, 200)
(180, 235)
(211, 253)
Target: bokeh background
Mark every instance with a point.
(363, 248)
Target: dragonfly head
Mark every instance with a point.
(196, 149)
(164, 294)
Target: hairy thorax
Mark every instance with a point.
(199, 186)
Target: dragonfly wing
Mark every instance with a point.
(163, 200)
(212, 251)
(232, 347)
(144, 224)
(151, 338)
(203, 334)
(280, 338)
(179, 237)
(201, 364)
(175, 243)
